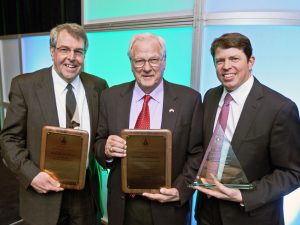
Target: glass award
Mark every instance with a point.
(225, 167)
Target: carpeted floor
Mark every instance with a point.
(9, 203)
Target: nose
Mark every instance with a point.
(71, 55)
(227, 64)
(147, 66)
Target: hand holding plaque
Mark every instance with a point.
(228, 169)
(64, 155)
(147, 166)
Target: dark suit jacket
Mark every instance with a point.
(266, 142)
(32, 105)
(185, 123)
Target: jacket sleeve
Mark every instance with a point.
(283, 148)
(13, 137)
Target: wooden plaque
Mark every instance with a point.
(147, 166)
(64, 155)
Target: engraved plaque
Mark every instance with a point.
(147, 166)
(64, 155)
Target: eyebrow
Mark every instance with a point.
(64, 46)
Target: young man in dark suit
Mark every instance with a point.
(172, 107)
(263, 127)
(38, 99)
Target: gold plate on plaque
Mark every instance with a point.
(147, 166)
(64, 155)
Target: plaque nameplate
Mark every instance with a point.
(64, 155)
(147, 166)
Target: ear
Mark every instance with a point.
(251, 62)
(52, 49)
(163, 64)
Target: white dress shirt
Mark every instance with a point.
(155, 105)
(235, 109)
(60, 90)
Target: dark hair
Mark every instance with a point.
(232, 40)
(73, 29)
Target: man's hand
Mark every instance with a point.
(43, 183)
(165, 195)
(115, 147)
(221, 192)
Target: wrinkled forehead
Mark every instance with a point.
(147, 47)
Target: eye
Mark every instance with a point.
(79, 52)
(219, 61)
(235, 59)
(154, 61)
(139, 62)
(64, 50)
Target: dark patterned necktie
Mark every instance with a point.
(70, 106)
(143, 120)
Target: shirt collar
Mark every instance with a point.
(156, 94)
(61, 84)
(240, 94)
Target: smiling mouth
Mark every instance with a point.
(228, 75)
(70, 66)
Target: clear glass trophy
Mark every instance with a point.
(226, 167)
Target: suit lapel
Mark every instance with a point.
(171, 108)
(46, 97)
(211, 107)
(247, 116)
(124, 105)
(92, 101)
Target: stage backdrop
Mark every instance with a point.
(189, 27)
(275, 66)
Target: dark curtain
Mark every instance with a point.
(31, 16)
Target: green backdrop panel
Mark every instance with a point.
(103, 9)
(107, 55)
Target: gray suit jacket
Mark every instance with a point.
(266, 142)
(185, 123)
(32, 106)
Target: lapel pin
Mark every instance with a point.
(171, 110)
